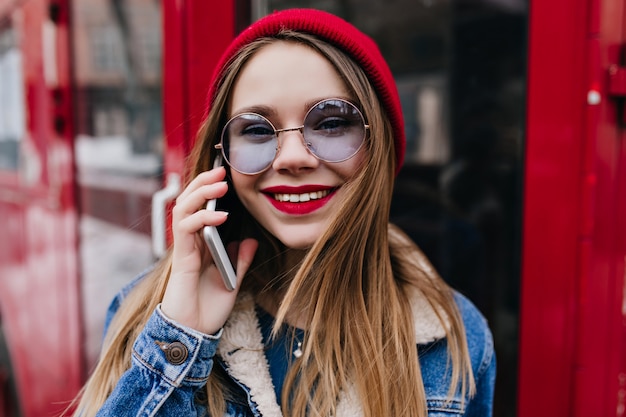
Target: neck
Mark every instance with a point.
(271, 298)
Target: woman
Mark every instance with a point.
(335, 311)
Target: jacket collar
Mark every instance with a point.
(241, 348)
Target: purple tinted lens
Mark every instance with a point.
(334, 130)
(249, 143)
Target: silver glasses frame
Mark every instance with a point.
(277, 132)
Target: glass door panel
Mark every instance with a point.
(117, 51)
(12, 113)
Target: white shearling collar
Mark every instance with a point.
(241, 348)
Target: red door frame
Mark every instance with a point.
(554, 132)
(39, 287)
(196, 34)
(572, 339)
(601, 355)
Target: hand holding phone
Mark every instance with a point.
(216, 246)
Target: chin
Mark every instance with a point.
(298, 245)
(297, 236)
(298, 242)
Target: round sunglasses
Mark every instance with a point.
(333, 130)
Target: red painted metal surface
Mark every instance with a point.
(598, 370)
(197, 33)
(175, 105)
(601, 368)
(617, 358)
(38, 274)
(572, 320)
(555, 114)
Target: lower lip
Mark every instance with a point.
(299, 209)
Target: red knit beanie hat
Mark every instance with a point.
(344, 36)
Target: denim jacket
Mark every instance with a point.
(171, 364)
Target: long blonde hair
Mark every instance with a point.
(355, 296)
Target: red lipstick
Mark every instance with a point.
(299, 200)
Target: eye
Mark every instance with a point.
(332, 126)
(257, 131)
(249, 127)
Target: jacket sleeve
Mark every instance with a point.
(170, 363)
(483, 359)
(481, 405)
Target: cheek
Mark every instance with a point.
(238, 180)
(244, 186)
(350, 168)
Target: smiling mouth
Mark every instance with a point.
(301, 198)
(310, 198)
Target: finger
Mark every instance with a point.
(196, 221)
(185, 232)
(245, 256)
(206, 177)
(192, 201)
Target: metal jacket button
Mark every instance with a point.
(175, 352)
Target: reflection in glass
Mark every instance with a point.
(118, 125)
(12, 117)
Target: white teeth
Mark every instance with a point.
(301, 198)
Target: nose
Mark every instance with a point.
(293, 155)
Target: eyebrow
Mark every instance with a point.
(270, 112)
(265, 111)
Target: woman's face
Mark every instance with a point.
(295, 198)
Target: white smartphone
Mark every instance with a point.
(216, 246)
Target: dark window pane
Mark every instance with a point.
(460, 69)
